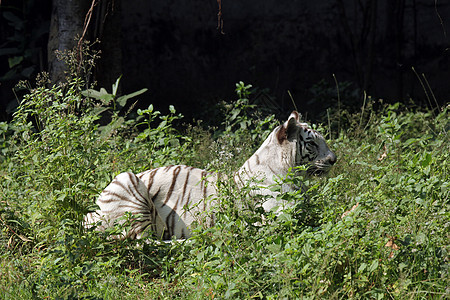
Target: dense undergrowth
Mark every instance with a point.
(376, 227)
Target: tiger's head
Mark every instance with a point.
(309, 146)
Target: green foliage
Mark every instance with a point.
(24, 33)
(244, 119)
(243, 123)
(376, 227)
(118, 102)
(163, 141)
(80, 61)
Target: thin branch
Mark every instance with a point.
(425, 90)
(87, 21)
(220, 17)
(440, 19)
(339, 102)
(431, 90)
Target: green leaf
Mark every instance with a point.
(410, 141)
(427, 160)
(373, 266)
(234, 114)
(162, 124)
(285, 217)
(362, 267)
(14, 61)
(99, 95)
(115, 86)
(274, 248)
(401, 266)
(108, 129)
(122, 100)
(98, 110)
(421, 238)
(419, 201)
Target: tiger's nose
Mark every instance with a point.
(331, 158)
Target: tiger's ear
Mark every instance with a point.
(289, 129)
(295, 115)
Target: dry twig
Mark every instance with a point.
(220, 17)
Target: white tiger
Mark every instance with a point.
(168, 199)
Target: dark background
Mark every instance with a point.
(174, 49)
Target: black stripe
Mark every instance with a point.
(270, 168)
(151, 177)
(188, 198)
(172, 185)
(186, 184)
(126, 189)
(111, 200)
(135, 182)
(167, 168)
(250, 169)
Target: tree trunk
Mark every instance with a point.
(66, 23)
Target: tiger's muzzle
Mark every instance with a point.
(322, 166)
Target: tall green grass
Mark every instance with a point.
(376, 227)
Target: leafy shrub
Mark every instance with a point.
(243, 128)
